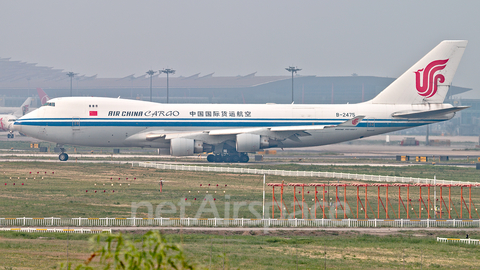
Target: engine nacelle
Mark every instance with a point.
(198, 147)
(182, 147)
(185, 147)
(251, 142)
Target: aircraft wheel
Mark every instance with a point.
(244, 158)
(218, 158)
(210, 158)
(8, 136)
(235, 158)
(227, 159)
(63, 157)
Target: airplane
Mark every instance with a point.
(8, 119)
(231, 131)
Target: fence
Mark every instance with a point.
(336, 175)
(456, 240)
(237, 222)
(32, 230)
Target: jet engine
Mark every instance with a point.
(251, 142)
(182, 147)
(185, 147)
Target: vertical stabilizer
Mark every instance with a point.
(25, 108)
(43, 96)
(428, 80)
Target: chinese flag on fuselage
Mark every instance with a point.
(93, 113)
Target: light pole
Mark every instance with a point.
(71, 75)
(167, 71)
(293, 70)
(151, 72)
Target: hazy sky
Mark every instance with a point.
(324, 38)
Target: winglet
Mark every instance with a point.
(352, 122)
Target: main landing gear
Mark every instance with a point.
(236, 157)
(63, 156)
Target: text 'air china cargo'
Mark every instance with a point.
(230, 131)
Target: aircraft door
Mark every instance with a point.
(371, 124)
(75, 124)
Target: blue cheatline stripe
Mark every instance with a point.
(223, 119)
(237, 123)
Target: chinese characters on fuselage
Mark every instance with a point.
(221, 113)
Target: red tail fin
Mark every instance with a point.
(43, 96)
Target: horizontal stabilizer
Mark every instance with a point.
(429, 113)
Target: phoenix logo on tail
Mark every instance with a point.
(429, 87)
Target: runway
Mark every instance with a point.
(364, 152)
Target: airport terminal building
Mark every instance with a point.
(19, 80)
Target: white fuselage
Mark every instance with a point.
(108, 122)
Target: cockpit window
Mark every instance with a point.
(49, 104)
(12, 120)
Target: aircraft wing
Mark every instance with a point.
(278, 133)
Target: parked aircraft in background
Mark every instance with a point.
(231, 131)
(8, 119)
